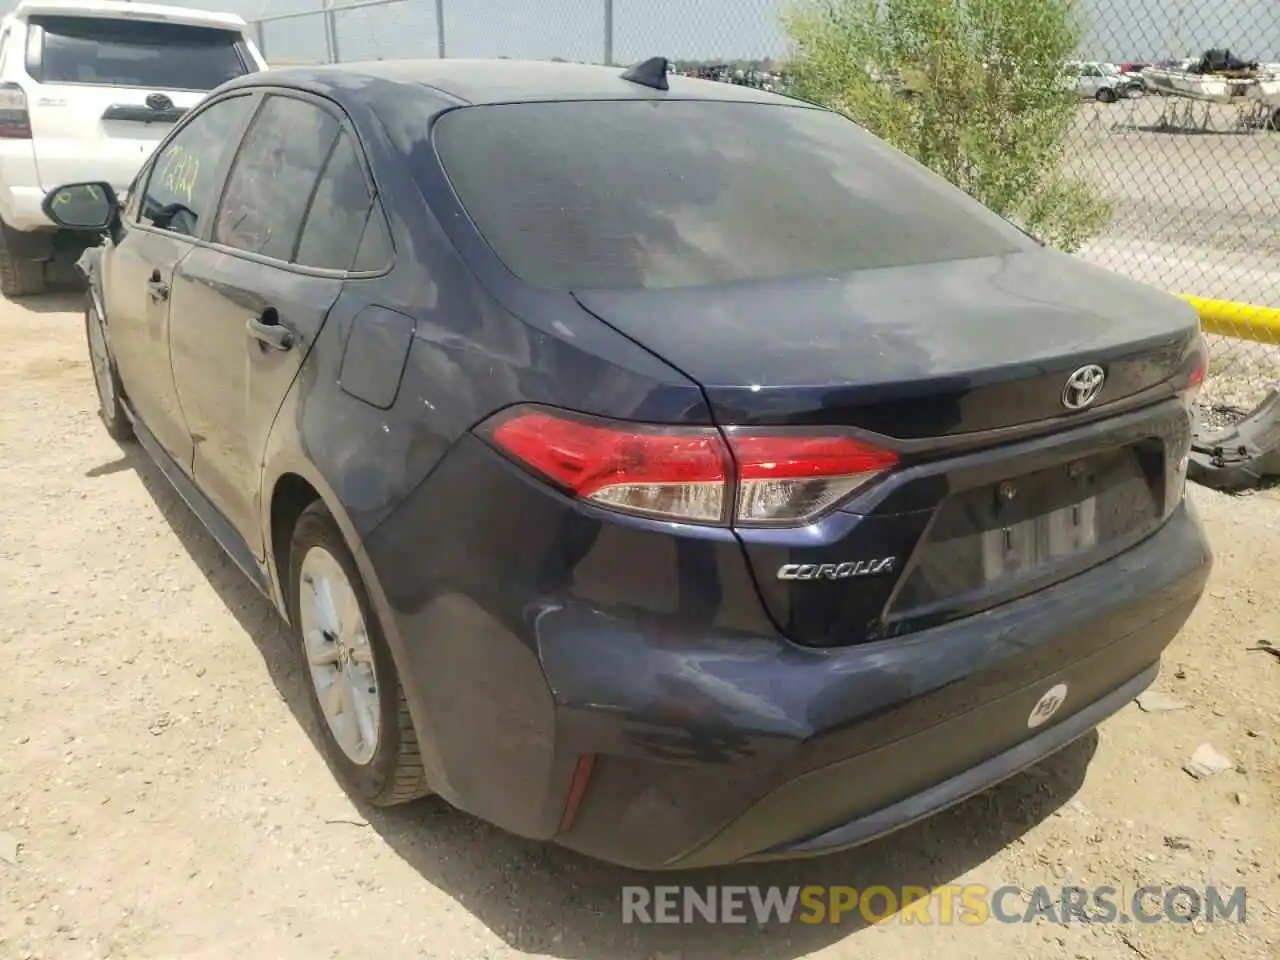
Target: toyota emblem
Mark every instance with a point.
(1083, 387)
(158, 101)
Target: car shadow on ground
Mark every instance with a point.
(543, 899)
(59, 300)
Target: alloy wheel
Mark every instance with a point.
(339, 655)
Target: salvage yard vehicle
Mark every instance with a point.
(1104, 82)
(664, 468)
(88, 88)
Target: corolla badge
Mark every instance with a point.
(1083, 387)
(836, 571)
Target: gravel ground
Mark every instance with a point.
(161, 784)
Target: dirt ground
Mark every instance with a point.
(158, 774)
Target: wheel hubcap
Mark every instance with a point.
(101, 365)
(339, 656)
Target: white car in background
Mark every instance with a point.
(87, 90)
(1104, 82)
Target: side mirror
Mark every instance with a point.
(88, 207)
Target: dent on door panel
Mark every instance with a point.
(230, 384)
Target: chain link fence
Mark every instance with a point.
(1190, 161)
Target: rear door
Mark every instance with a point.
(164, 218)
(248, 308)
(108, 89)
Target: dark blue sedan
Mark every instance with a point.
(663, 468)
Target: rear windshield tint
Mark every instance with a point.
(136, 53)
(651, 194)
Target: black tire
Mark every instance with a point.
(20, 278)
(110, 406)
(1106, 95)
(394, 773)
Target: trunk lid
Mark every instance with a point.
(924, 351)
(930, 358)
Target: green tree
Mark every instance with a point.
(973, 89)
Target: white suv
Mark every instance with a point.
(87, 90)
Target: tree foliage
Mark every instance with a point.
(973, 89)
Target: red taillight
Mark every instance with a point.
(688, 473)
(787, 478)
(1196, 379)
(660, 471)
(1196, 367)
(1190, 389)
(15, 122)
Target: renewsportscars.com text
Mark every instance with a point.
(969, 904)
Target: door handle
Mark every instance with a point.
(157, 288)
(270, 332)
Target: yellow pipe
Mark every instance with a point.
(1244, 321)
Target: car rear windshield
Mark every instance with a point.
(653, 194)
(136, 53)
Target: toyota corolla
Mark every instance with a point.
(662, 468)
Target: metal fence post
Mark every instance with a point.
(329, 10)
(331, 28)
(608, 32)
(440, 29)
(328, 32)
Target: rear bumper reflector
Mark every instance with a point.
(577, 790)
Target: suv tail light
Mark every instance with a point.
(15, 121)
(691, 474)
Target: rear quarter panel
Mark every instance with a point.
(468, 357)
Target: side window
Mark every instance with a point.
(270, 186)
(182, 187)
(339, 211)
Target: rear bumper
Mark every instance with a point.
(714, 740)
(974, 780)
(896, 731)
(20, 207)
